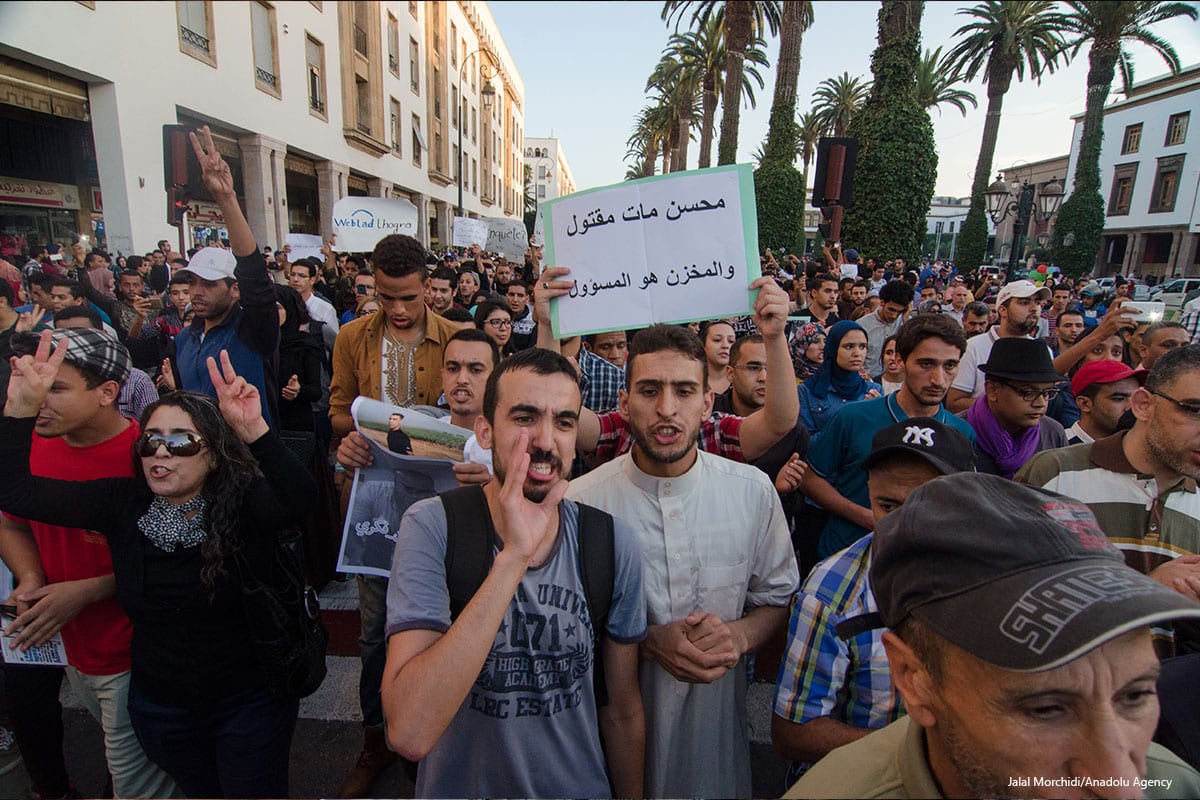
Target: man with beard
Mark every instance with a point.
(1021, 647)
(1141, 483)
(232, 298)
(930, 345)
(499, 701)
(1020, 306)
(719, 564)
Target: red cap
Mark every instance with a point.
(1105, 371)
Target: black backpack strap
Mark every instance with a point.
(597, 562)
(469, 536)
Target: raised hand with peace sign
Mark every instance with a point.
(239, 400)
(32, 377)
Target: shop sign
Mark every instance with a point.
(38, 193)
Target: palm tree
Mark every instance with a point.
(1109, 27)
(677, 78)
(937, 84)
(744, 21)
(809, 132)
(837, 100)
(650, 136)
(1003, 40)
(781, 131)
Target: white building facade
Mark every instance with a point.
(1150, 179)
(549, 172)
(309, 102)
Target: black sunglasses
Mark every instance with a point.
(177, 444)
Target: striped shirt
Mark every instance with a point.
(1151, 524)
(823, 675)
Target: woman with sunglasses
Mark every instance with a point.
(209, 480)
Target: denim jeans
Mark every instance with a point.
(372, 646)
(235, 746)
(107, 698)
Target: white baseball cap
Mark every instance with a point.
(1022, 289)
(211, 264)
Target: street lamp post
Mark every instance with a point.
(1001, 203)
(487, 94)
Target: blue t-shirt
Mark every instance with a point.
(845, 443)
(528, 726)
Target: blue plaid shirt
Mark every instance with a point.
(601, 381)
(823, 675)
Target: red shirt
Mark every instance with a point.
(97, 640)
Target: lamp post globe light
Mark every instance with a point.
(487, 95)
(1003, 200)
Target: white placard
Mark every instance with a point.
(360, 222)
(507, 237)
(304, 245)
(672, 249)
(469, 231)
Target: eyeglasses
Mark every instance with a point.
(177, 444)
(500, 323)
(1190, 409)
(1029, 395)
(753, 367)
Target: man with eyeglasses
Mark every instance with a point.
(1141, 483)
(1009, 418)
(784, 461)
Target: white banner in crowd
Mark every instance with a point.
(469, 231)
(672, 248)
(360, 222)
(507, 237)
(304, 245)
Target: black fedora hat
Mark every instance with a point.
(1021, 359)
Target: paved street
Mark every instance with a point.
(328, 736)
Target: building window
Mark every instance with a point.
(1166, 184)
(418, 144)
(437, 95)
(362, 21)
(414, 68)
(474, 126)
(1122, 189)
(541, 191)
(454, 161)
(453, 45)
(437, 153)
(393, 29)
(1177, 128)
(473, 71)
(394, 125)
(474, 177)
(541, 173)
(196, 30)
(314, 53)
(454, 106)
(362, 97)
(1133, 139)
(412, 8)
(266, 53)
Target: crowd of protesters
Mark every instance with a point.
(962, 504)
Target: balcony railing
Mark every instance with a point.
(393, 63)
(262, 76)
(360, 40)
(316, 104)
(193, 39)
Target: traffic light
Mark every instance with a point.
(177, 206)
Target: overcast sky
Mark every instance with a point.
(585, 66)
